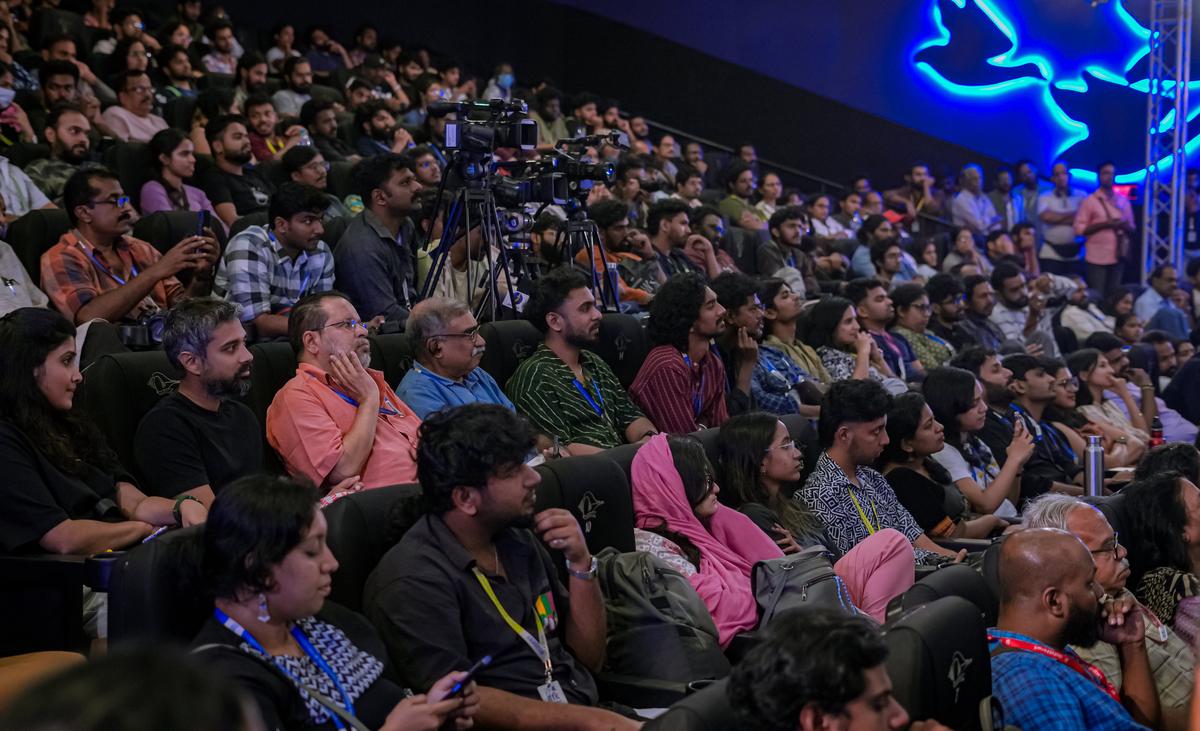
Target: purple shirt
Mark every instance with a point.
(1175, 427)
(154, 198)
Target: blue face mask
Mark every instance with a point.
(505, 81)
(6, 97)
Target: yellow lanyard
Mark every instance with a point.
(538, 644)
(870, 528)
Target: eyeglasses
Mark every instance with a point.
(955, 300)
(119, 202)
(1114, 549)
(1071, 384)
(346, 325)
(469, 333)
(319, 165)
(923, 308)
(789, 445)
(139, 90)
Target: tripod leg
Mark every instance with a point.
(442, 253)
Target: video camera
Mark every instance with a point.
(485, 126)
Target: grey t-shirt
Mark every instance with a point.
(16, 286)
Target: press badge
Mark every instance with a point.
(552, 692)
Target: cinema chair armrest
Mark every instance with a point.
(740, 645)
(639, 692)
(41, 569)
(973, 545)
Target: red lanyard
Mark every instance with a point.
(1085, 669)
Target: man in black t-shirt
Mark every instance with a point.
(234, 188)
(200, 438)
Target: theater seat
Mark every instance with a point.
(155, 593)
(33, 234)
(707, 709)
(118, 390)
(274, 365)
(334, 228)
(939, 664)
(623, 456)
(246, 221)
(23, 153)
(131, 161)
(622, 345)
(956, 580)
(338, 182)
(393, 355)
(179, 112)
(508, 343)
(596, 492)
(360, 533)
(1113, 508)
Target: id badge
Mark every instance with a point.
(552, 692)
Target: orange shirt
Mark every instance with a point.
(308, 419)
(73, 278)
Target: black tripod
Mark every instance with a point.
(582, 234)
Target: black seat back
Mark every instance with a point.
(508, 343)
(596, 492)
(360, 533)
(334, 228)
(707, 709)
(1113, 508)
(274, 365)
(392, 354)
(23, 153)
(956, 580)
(246, 221)
(155, 593)
(33, 234)
(338, 182)
(179, 112)
(939, 663)
(132, 162)
(622, 345)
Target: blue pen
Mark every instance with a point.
(155, 534)
(462, 684)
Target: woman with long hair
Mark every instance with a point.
(847, 351)
(1117, 302)
(174, 162)
(912, 321)
(1096, 375)
(1163, 538)
(927, 255)
(268, 569)
(955, 398)
(923, 486)
(963, 250)
(129, 54)
(820, 214)
(760, 467)
(770, 194)
(1070, 425)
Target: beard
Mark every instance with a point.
(996, 395)
(239, 157)
(223, 388)
(302, 88)
(582, 339)
(1083, 626)
(1018, 304)
(382, 134)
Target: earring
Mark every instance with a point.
(264, 615)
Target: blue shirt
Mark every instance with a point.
(426, 392)
(1039, 693)
(775, 374)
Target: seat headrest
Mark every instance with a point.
(156, 592)
(956, 580)
(597, 493)
(361, 528)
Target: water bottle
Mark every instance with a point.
(614, 278)
(1093, 467)
(305, 138)
(1156, 432)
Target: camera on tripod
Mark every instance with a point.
(485, 126)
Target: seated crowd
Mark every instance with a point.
(953, 383)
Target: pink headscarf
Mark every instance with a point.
(729, 546)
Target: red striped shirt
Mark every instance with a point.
(666, 388)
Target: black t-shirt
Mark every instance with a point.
(924, 499)
(37, 496)
(180, 445)
(248, 192)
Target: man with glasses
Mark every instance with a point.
(305, 164)
(448, 348)
(97, 271)
(132, 119)
(337, 423)
(1162, 663)
(267, 270)
(1053, 464)
(375, 260)
(948, 304)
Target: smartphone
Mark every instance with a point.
(201, 221)
(461, 685)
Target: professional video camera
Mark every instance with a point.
(485, 126)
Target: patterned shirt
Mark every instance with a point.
(681, 397)
(804, 356)
(1012, 324)
(1040, 693)
(426, 392)
(1172, 663)
(50, 176)
(256, 274)
(840, 364)
(73, 278)
(544, 390)
(773, 382)
(931, 350)
(831, 497)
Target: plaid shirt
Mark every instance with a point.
(774, 377)
(256, 274)
(72, 278)
(1039, 692)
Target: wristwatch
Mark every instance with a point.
(179, 502)
(584, 575)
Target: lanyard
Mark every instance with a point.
(274, 145)
(313, 654)
(597, 407)
(307, 271)
(696, 392)
(1080, 666)
(386, 410)
(442, 387)
(1036, 428)
(539, 645)
(870, 528)
(1060, 440)
(91, 254)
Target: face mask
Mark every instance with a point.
(6, 97)
(505, 81)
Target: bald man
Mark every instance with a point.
(1049, 598)
(1172, 662)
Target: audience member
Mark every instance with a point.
(832, 328)
(784, 256)
(297, 85)
(1063, 416)
(320, 118)
(681, 384)
(1082, 316)
(875, 230)
(447, 345)
(65, 490)
(737, 346)
(1049, 602)
(1129, 328)
(1022, 317)
(66, 131)
(546, 112)
(781, 316)
(19, 289)
(337, 423)
(1001, 196)
(824, 224)
(849, 213)
(374, 257)
(1176, 428)
(668, 228)
(1154, 307)
(284, 48)
(234, 187)
(947, 301)
(853, 435)
(912, 325)
(1096, 377)
(261, 122)
(1162, 513)
(221, 59)
(689, 183)
(98, 271)
(269, 568)
(875, 312)
(1056, 211)
(201, 437)
(1105, 220)
(639, 273)
(916, 198)
(972, 209)
(473, 570)
(252, 70)
(304, 164)
(132, 119)
(174, 162)
(18, 193)
(736, 207)
(965, 252)
(568, 392)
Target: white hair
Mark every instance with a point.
(1051, 510)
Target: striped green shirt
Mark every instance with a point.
(544, 390)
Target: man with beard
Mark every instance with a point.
(918, 197)
(737, 207)
(1049, 599)
(946, 300)
(265, 141)
(97, 270)
(1171, 661)
(252, 73)
(267, 271)
(67, 131)
(1176, 428)
(668, 227)
(977, 326)
(875, 311)
(374, 256)
(305, 164)
(380, 133)
(473, 577)
(1081, 316)
(298, 81)
(320, 118)
(784, 256)
(628, 248)
(337, 423)
(681, 384)
(201, 437)
(132, 119)
(448, 349)
(234, 188)
(567, 392)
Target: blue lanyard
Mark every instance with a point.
(91, 254)
(442, 387)
(386, 410)
(597, 407)
(1037, 431)
(1059, 440)
(232, 625)
(307, 272)
(697, 402)
(937, 340)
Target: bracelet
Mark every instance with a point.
(179, 501)
(1147, 387)
(584, 575)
